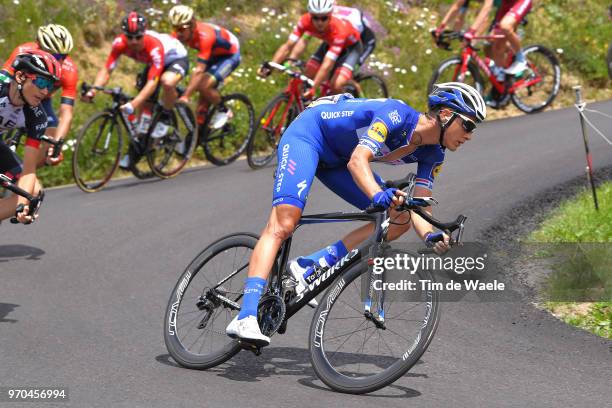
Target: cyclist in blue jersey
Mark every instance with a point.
(335, 139)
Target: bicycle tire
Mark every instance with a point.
(225, 145)
(181, 133)
(548, 55)
(175, 346)
(364, 384)
(266, 139)
(79, 170)
(478, 83)
(379, 87)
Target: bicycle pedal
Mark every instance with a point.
(255, 349)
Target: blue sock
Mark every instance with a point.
(253, 289)
(337, 250)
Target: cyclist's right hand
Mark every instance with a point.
(22, 214)
(88, 96)
(390, 197)
(264, 71)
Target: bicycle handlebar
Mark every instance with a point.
(35, 201)
(416, 205)
(57, 145)
(115, 92)
(459, 35)
(291, 73)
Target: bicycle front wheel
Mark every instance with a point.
(353, 353)
(450, 71)
(169, 153)
(372, 86)
(97, 151)
(271, 124)
(205, 300)
(226, 138)
(539, 84)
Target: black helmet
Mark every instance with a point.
(134, 24)
(38, 62)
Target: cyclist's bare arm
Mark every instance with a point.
(28, 180)
(299, 47)
(196, 77)
(480, 24)
(324, 71)
(421, 227)
(359, 167)
(283, 52)
(101, 79)
(452, 13)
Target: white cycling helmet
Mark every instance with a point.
(459, 97)
(320, 6)
(55, 38)
(180, 15)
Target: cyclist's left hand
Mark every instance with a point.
(439, 241)
(127, 108)
(183, 99)
(53, 161)
(24, 216)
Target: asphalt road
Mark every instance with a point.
(83, 291)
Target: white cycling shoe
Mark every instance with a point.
(247, 329)
(297, 272)
(124, 163)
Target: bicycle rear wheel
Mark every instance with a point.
(225, 143)
(200, 306)
(539, 84)
(167, 155)
(97, 151)
(271, 124)
(352, 354)
(449, 71)
(372, 86)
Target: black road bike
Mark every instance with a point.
(34, 201)
(359, 342)
(166, 145)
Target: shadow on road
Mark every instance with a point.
(5, 309)
(17, 251)
(291, 361)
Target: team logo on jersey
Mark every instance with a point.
(436, 170)
(395, 117)
(378, 131)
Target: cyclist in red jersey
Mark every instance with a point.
(218, 56)
(165, 57)
(56, 40)
(344, 43)
(507, 17)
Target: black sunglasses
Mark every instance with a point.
(320, 18)
(134, 37)
(468, 125)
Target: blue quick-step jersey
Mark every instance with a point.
(321, 139)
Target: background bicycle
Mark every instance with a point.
(531, 91)
(154, 147)
(284, 107)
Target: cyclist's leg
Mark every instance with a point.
(220, 68)
(172, 75)
(52, 123)
(343, 71)
(506, 22)
(298, 156)
(314, 63)
(368, 39)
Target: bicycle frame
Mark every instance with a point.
(470, 53)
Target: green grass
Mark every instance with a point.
(577, 238)
(405, 54)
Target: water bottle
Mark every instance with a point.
(145, 121)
